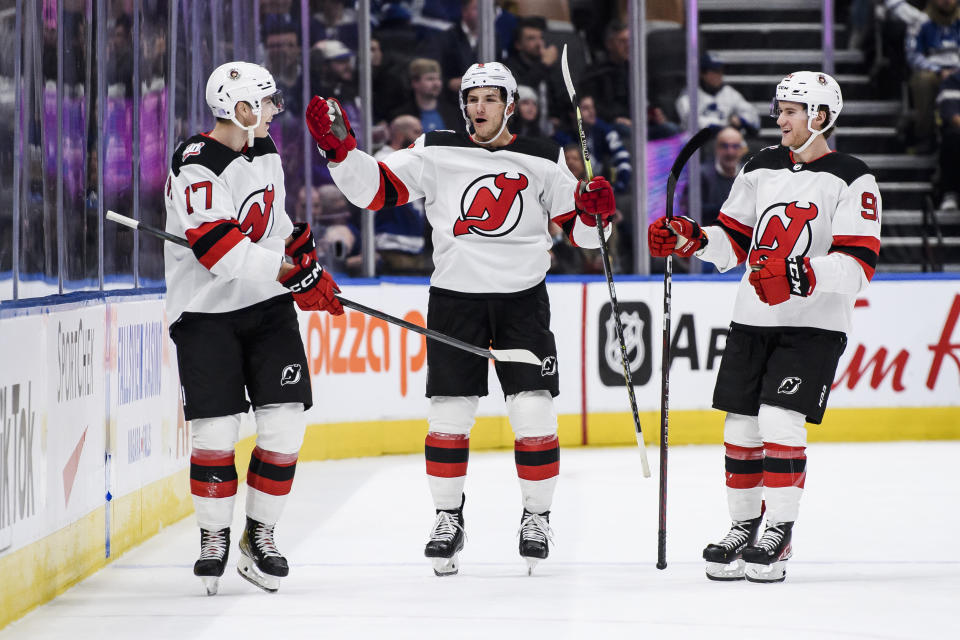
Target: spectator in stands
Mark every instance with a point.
(717, 174)
(386, 82)
(425, 104)
(332, 21)
(933, 52)
(528, 117)
(949, 101)
(278, 12)
(282, 42)
(336, 74)
(658, 125)
(609, 83)
(456, 48)
(301, 206)
(401, 231)
(338, 234)
(534, 64)
(608, 155)
(718, 104)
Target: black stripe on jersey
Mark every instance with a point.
(537, 458)
(272, 471)
(784, 465)
(390, 193)
(864, 255)
(732, 465)
(449, 293)
(452, 455)
(204, 473)
(261, 147)
(741, 239)
(844, 166)
(212, 237)
(213, 155)
(539, 147)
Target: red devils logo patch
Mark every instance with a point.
(256, 213)
(491, 206)
(783, 231)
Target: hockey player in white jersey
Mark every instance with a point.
(489, 196)
(233, 320)
(807, 221)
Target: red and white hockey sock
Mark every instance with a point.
(269, 480)
(213, 485)
(447, 455)
(784, 474)
(538, 465)
(744, 473)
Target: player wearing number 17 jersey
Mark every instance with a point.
(489, 196)
(807, 221)
(233, 321)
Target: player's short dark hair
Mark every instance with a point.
(826, 121)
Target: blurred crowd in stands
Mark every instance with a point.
(420, 49)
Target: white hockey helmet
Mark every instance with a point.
(487, 74)
(813, 89)
(237, 81)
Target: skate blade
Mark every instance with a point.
(211, 584)
(726, 572)
(249, 572)
(774, 572)
(446, 566)
(531, 564)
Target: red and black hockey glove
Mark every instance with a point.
(302, 243)
(592, 198)
(681, 236)
(776, 280)
(312, 287)
(330, 127)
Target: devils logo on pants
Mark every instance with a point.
(491, 206)
(783, 231)
(256, 213)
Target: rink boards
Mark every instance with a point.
(94, 451)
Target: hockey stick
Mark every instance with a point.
(497, 355)
(694, 143)
(607, 270)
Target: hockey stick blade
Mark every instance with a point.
(565, 68)
(499, 355)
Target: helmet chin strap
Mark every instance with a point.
(503, 125)
(813, 135)
(251, 129)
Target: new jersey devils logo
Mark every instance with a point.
(783, 231)
(491, 206)
(256, 213)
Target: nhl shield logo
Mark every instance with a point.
(635, 320)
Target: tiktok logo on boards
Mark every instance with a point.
(18, 426)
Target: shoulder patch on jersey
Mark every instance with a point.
(846, 167)
(542, 148)
(773, 157)
(205, 151)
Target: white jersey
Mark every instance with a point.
(489, 208)
(229, 205)
(828, 210)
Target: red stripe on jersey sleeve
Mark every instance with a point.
(403, 195)
(864, 249)
(738, 233)
(391, 192)
(212, 240)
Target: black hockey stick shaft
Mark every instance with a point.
(499, 355)
(698, 140)
(608, 272)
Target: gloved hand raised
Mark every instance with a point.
(682, 236)
(775, 280)
(330, 127)
(312, 287)
(592, 198)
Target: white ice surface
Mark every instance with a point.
(875, 556)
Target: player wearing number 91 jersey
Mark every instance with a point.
(807, 222)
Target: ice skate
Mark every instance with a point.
(535, 538)
(446, 541)
(260, 563)
(766, 561)
(724, 561)
(214, 550)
